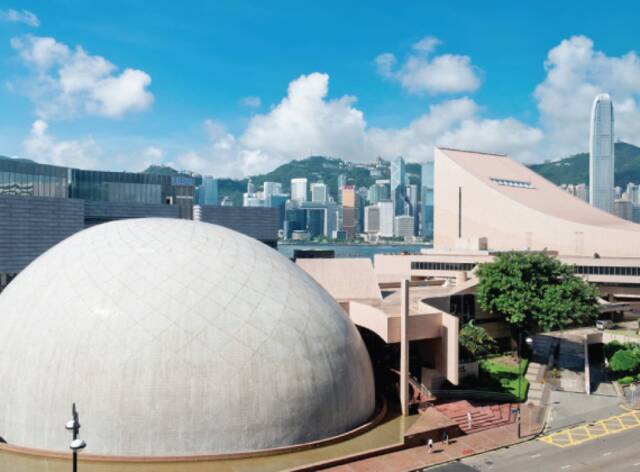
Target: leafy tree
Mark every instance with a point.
(624, 362)
(535, 292)
(476, 342)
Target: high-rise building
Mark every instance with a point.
(386, 219)
(403, 226)
(623, 208)
(342, 181)
(414, 210)
(372, 219)
(426, 226)
(208, 191)
(398, 185)
(582, 192)
(601, 154)
(250, 187)
(299, 189)
(319, 192)
(349, 211)
(632, 193)
(271, 188)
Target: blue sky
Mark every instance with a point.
(204, 85)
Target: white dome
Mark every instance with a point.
(175, 337)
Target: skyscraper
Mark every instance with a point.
(601, 155)
(299, 189)
(350, 211)
(319, 192)
(372, 219)
(208, 191)
(342, 181)
(386, 219)
(427, 201)
(271, 188)
(398, 182)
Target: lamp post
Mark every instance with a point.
(77, 444)
(529, 341)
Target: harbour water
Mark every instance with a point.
(355, 250)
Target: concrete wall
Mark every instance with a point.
(31, 225)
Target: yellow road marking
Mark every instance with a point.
(583, 433)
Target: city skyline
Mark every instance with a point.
(382, 96)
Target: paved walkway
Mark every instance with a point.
(417, 457)
(483, 415)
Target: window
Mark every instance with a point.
(513, 183)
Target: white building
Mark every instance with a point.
(319, 192)
(601, 154)
(403, 226)
(372, 219)
(299, 189)
(272, 188)
(623, 208)
(386, 219)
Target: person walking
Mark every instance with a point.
(445, 437)
(469, 420)
(430, 446)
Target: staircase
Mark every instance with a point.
(482, 416)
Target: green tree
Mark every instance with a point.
(624, 362)
(476, 342)
(535, 292)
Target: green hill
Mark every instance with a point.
(575, 169)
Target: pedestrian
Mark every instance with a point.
(430, 445)
(469, 420)
(445, 437)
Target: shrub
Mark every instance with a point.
(476, 342)
(626, 380)
(624, 362)
(611, 348)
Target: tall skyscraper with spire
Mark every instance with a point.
(601, 154)
(398, 185)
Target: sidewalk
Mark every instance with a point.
(418, 457)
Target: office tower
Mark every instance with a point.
(601, 154)
(271, 188)
(349, 211)
(426, 226)
(398, 185)
(299, 189)
(250, 187)
(319, 192)
(342, 181)
(208, 191)
(414, 210)
(386, 219)
(403, 226)
(372, 219)
(623, 208)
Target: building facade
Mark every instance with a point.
(299, 189)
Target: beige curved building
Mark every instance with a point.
(490, 201)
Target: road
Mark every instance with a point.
(614, 453)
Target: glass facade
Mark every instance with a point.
(120, 186)
(18, 177)
(427, 200)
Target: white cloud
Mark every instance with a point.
(40, 145)
(22, 16)
(422, 73)
(576, 73)
(66, 82)
(251, 102)
(307, 121)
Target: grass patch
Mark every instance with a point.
(501, 374)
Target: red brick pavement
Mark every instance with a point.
(417, 457)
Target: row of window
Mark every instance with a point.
(13, 183)
(442, 266)
(579, 269)
(607, 270)
(513, 183)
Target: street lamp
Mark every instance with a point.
(529, 341)
(77, 444)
